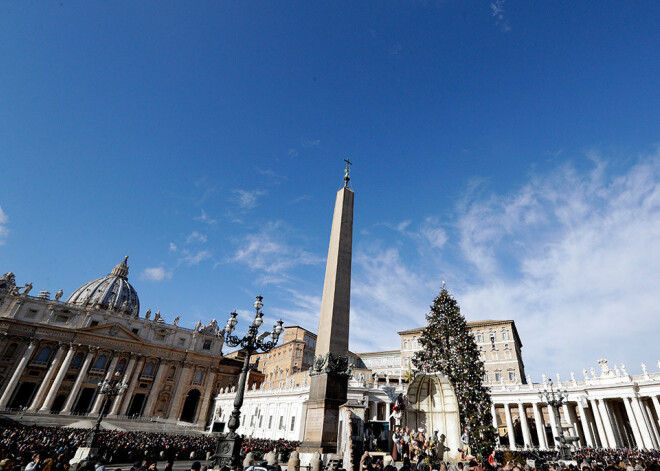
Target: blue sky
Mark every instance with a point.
(509, 148)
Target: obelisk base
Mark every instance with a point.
(327, 391)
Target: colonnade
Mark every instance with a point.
(173, 386)
(628, 421)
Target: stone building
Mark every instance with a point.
(53, 354)
(283, 362)
(499, 346)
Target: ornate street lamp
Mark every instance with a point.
(554, 400)
(109, 389)
(229, 445)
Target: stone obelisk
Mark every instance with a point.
(330, 372)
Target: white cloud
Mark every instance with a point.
(304, 144)
(497, 10)
(195, 237)
(268, 251)
(205, 218)
(156, 274)
(573, 258)
(4, 232)
(248, 199)
(433, 233)
(194, 258)
(305, 310)
(387, 296)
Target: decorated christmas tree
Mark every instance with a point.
(448, 347)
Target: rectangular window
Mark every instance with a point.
(492, 336)
(94, 323)
(480, 338)
(270, 422)
(498, 376)
(512, 376)
(207, 345)
(135, 331)
(293, 422)
(505, 335)
(160, 337)
(31, 314)
(61, 318)
(281, 422)
(261, 419)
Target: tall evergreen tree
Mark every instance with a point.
(448, 347)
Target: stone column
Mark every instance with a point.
(540, 426)
(585, 426)
(127, 375)
(43, 388)
(100, 398)
(509, 426)
(656, 406)
(203, 413)
(527, 438)
(652, 425)
(571, 416)
(52, 392)
(73, 395)
(131, 387)
(641, 422)
(602, 436)
(634, 425)
(570, 420)
(607, 423)
(13, 382)
(155, 388)
(178, 398)
(493, 413)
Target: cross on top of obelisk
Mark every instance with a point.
(347, 173)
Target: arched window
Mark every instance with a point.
(44, 355)
(77, 361)
(100, 362)
(149, 369)
(121, 366)
(405, 345)
(170, 375)
(199, 375)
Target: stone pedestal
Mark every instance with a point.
(327, 391)
(227, 452)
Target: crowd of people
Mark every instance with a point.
(19, 445)
(587, 459)
(260, 446)
(36, 448)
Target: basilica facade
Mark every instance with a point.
(55, 352)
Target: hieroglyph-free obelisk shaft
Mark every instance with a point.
(336, 301)
(329, 377)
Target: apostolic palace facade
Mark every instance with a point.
(54, 353)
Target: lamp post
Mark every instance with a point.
(554, 400)
(229, 445)
(109, 389)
